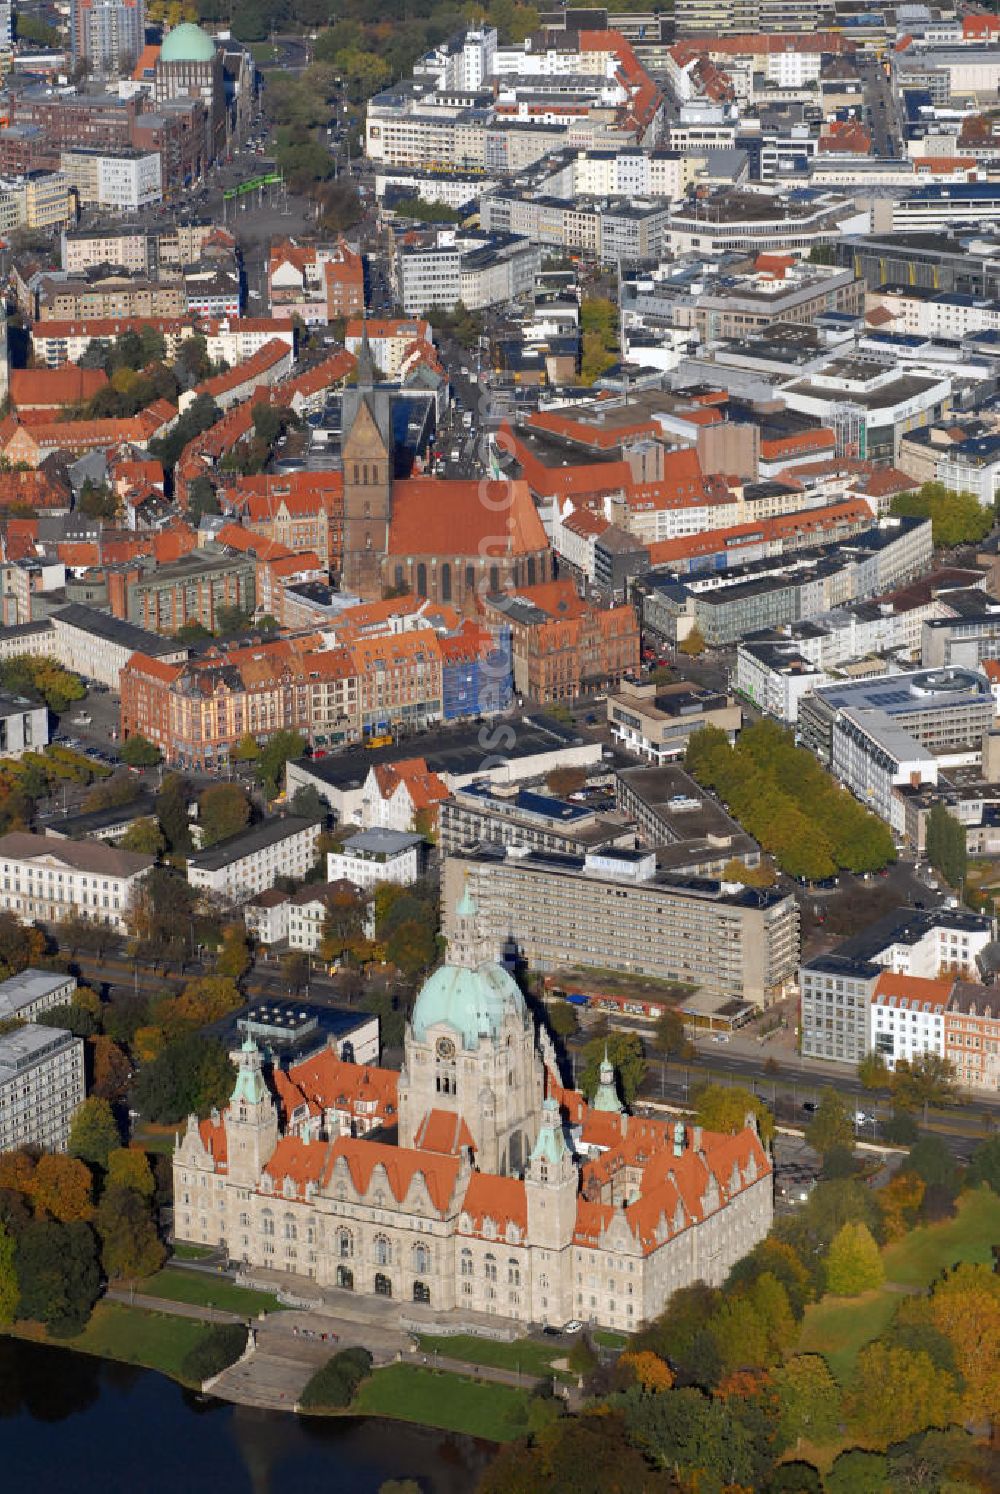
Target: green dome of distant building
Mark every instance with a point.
(473, 1002)
(187, 43)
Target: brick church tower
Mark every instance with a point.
(367, 454)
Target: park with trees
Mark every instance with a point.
(956, 518)
(783, 798)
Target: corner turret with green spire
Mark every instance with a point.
(551, 1144)
(606, 1093)
(250, 1087)
(251, 1120)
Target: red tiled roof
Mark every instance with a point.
(443, 1131)
(432, 516)
(846, 136)
(804, 522)
(800, 443)
(274, 351)
(400, 1166)
(332, 1083)
(52, 388)
(498, 1198)
(589, 432)
(157, 669)
(912, 992)
(213, 1136)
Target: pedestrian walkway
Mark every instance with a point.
(176, 1309)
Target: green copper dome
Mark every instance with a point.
(187, 43)
(473, 1002)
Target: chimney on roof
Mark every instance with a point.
(696, 1138)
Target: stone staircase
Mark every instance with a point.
(289, 1347)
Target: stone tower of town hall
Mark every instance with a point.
(470, 1054)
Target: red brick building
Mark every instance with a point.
(563, 646)
(145, 700)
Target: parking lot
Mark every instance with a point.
(92, 723)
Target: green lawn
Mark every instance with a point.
(408, 1393)
(839, 1327)
(185, 1252)
(133, 1336)
(202, 1290)
(926, 1252)
(605, 1339)
(158, 1139)
(523, 1354)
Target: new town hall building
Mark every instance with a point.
(502, 1192)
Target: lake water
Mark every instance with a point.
(79, 1425)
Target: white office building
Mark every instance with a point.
(377, 855)
(906, 1018)
(245, 864)
(119, 181)
(24, 726)
(41, 1085)
(873, 757)
(46, 880)
(23, 996)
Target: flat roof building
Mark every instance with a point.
(614, 909)
(251, 861)
(41, 1086)
(26, 994)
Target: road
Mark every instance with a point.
(797, 1084)
(883, 110)
(262, 983)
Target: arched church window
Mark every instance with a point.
(383, 1250)
(421, 1259)
(421, 580)
(470, 578)
(446, 582)
(399, 575)
(494, 579)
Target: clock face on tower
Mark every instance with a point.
(445, 1048)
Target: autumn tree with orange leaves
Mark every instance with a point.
(650, 1371)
